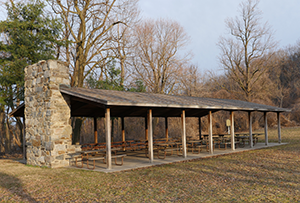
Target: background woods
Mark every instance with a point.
(107, 45)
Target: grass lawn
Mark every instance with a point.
(266, 175)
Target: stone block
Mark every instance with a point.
(36, 143)
(41, 159)
(45, 66)
(61, 157)
(49, 146)
(49, 159)
(58, 142)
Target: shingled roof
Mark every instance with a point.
(166, 104)
(92, 102)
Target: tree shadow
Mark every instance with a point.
(14, 185)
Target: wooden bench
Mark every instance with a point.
(199, 147)
(168, 150)
(118, 156)
(147, 151)
(236, 143)
(255, 139)
(104, 158)
(75, 156)
(94, 159)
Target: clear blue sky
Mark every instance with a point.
(204, 21)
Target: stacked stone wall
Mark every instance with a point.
(47, 115)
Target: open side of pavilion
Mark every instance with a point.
(137, 160)
(108, 103)
(50, 101)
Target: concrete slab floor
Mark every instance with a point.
(137, 159)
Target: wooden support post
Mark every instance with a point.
(123, 128)
(266, 129)
(279, 127)
(232, 130)
(24, 141)
(150, 136)
(210, 137)
(108, 137)
(250, 129)
(95, 130)
(146, 127)
(166, 127)
(183, 134)
(200, 128)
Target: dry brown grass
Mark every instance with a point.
(266, 175)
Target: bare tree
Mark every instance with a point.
(122, 40)
(192, 82)
(245, 54)
(157, 60)
(87, 25)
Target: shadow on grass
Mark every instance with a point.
(14, 185)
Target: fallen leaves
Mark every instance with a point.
(268, 175)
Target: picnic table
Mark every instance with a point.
(245, 137)
(197, 144)
(219, 139)
(98, 154)
(167, 147)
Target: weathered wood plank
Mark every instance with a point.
(183, 134)
(266, 129)
(232, 130)
(250, 129)
(210, 137)
(108, 138)
(150, 136)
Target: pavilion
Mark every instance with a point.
(109, 103)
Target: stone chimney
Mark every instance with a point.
(47, 114)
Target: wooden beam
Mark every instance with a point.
(250, 129)
(166, 128)
(232, 130)
(95, 130)
(266, 129)
(210, 137)
(150, 136)
(279, 127)
(183, 134)
(200, 128)
(123, 128)
(108, 138)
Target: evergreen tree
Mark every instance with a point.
(27, 36)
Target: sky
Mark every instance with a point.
(204, 22)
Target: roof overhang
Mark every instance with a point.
(92, 103)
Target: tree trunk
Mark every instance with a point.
(122, 64)
(2, 129)
(7, 140)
